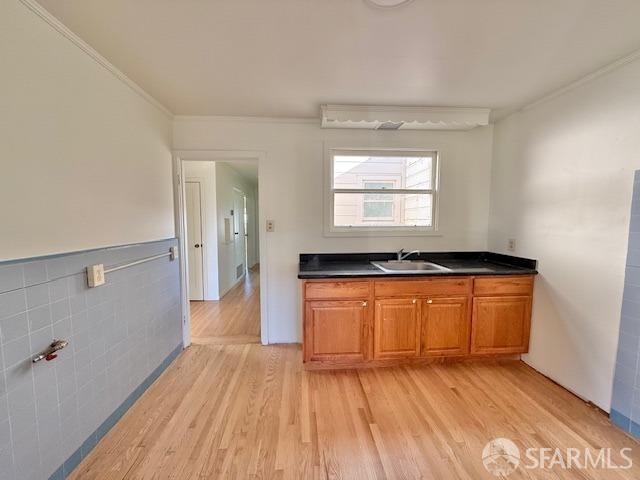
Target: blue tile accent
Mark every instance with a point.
(43, 258)
(89, 444)
(625, 411)
(620, 420)
(122, 336)
(71, 463)
(58, 474)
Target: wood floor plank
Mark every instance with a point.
(234, 319)
(252, 412)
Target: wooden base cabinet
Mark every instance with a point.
(350, 322)
(501, 324)
(336, 331)
(445, 327)
(396, 330)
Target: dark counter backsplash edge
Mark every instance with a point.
(496, 258)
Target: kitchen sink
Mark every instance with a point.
(409, 266)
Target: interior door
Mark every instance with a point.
(239, 239)
(194, 239)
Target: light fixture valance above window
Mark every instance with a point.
(403, 118)
(388, 3)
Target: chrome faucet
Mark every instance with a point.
(401, 255)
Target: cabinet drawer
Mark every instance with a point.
(423, 287)
(506, 285)
(336, 290)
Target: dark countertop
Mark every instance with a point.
(349, 265)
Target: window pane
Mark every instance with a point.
(386, 209)
(378, 210)
(380, 172)
(378, 185)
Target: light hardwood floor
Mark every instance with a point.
(235, 318)
(252, 412)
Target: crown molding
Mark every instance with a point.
(590, 77)
(91, 52)
(247, 119)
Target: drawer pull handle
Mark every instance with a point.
(429, 301)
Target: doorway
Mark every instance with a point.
(221, 205)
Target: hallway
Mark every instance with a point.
(234, 319)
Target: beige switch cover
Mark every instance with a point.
(270, 226)
(95, 275)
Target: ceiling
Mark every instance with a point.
(283, 58)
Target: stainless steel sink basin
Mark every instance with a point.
(409, 266)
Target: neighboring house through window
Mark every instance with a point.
(377, 206)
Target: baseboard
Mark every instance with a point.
(76, 457)
(625, 423)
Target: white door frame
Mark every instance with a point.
(180, 224)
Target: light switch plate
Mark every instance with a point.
(270, 226)
(95, 275)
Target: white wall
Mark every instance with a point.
(562, 185)
(86, 160)
(291, 193)
(226, 180)
(205, 173)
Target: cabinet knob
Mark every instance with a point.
(364, 304)
(415, 301)
(429, 301)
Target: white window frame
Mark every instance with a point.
(331, 230)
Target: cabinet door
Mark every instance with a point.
(336, 330)
(396, 330)
(445, 326)
(500, 324)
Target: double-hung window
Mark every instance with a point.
(382, 191)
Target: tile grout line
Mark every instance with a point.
(6, 399)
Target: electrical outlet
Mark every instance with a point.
(95, 275)
(511, 244)
(270, 226)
